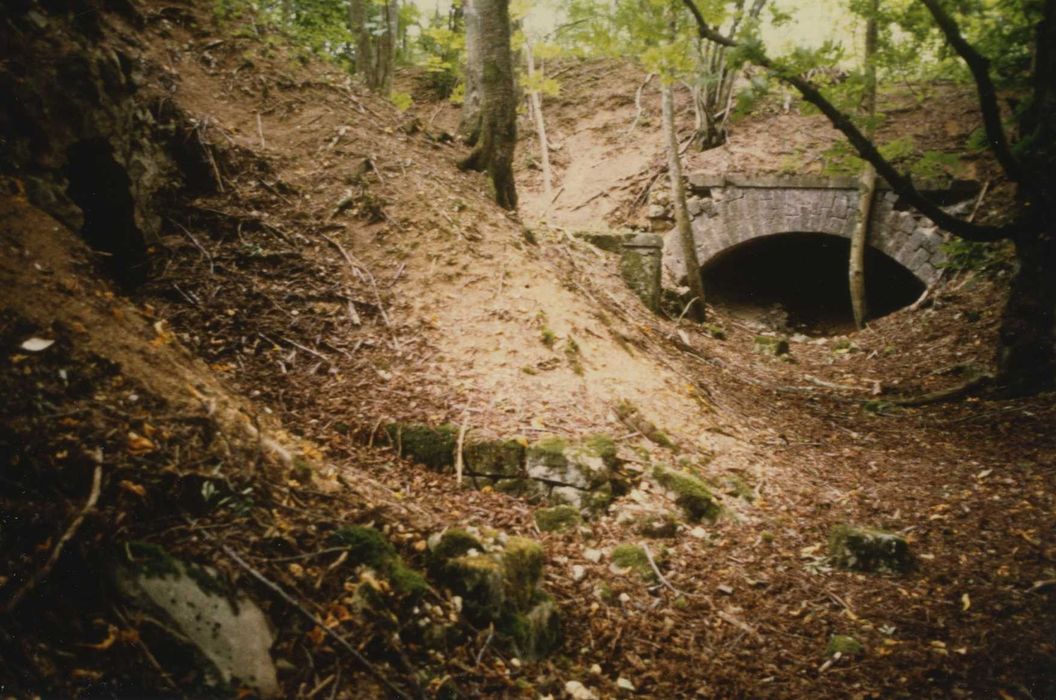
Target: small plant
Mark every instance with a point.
(401, 100)
(548, 337)
(963, 256)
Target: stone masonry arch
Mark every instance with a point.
(731, 209)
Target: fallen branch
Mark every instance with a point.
(954, 392)
(344, 643)
(656, 570)
(34, 581)
(362, 272)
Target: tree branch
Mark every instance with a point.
(901, 184)
(979, 65)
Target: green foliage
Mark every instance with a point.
(401, 100)
(963, 256)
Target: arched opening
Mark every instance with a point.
(797, 282)
(101, 188)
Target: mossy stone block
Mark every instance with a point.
(771, 345)
(494, 458)
(657, 526)
(522, 564)
(479, 579)
(558, 518)
(640, 269)
(454, 542)
(844, 645)
(538, 632)
(433, 447)
(691, 494)
(867, 549)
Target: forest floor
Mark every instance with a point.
(332, 272)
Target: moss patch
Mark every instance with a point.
(557, 519)
(369, 547)
(633, 556)
(844, 645)
(770, 345)
(454, 542)
(433, 447)
(495, 457)
(522, 563)
(866, 549)
(691, 494)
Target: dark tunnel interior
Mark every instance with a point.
(798, 282)
(101, 188)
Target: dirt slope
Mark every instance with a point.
(326, 269)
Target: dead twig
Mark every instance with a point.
(35, 579)
(458, 448)
(296, 605)
(656, 570)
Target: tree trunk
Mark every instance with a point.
(540, 128)
(867, 184)
(498, 120)
(1027, 352)
(469, 128)
(357, 20)
(678, 198)
(1026, 361)
(375, 51)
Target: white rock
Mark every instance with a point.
(578, 572)
(578, 691)
(593, 555)
(699, 532)
(624, 684)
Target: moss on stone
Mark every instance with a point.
(844, 645)
(557, 518)
(537, 632)
(369, 547)
(867, 549)
(691, 494)
(642, 274)
(549, 451)
(455, 542)
(151, 560)
(479, 580)
(433, 447)
(771, 345)
(633, 556)
(522, 563)
(495, 457)
(713, 331)
(601, 446)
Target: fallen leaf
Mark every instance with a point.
(133, 487)
(966, 602)
(139, 445)
(37, 344)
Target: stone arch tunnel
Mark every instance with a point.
(785, 240)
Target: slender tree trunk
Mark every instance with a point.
(357, 20)
(498, 123)
(474, 72)
(678, 198)
(867, 182)
(375, 52)
(540, 128)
